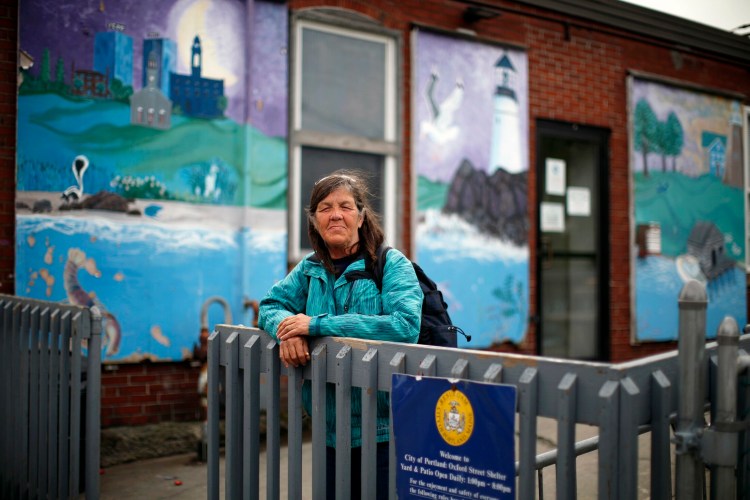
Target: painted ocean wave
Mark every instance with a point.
(167, 238)
(266, 241)
(449, 237)
(658, 287)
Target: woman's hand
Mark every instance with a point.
(294, 352)
(293, 326)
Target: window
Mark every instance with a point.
(343, 116)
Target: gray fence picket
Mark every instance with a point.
(294, 425)
(93, 400)
(494, 373)
(44, 403)
(528, 391)
(233, 425)
(54, 404)
(318, 389)
(460, 369)
(273, 419)
(343, 422)
(78, 336)
(6, 353)
(21, 361)
(661, 467)
(608, 440)
(63, 460)
(5, 406)
(743, 413)
(628, 440)
(251, 420)
(428, 366)
(566, 437)
(31, 426)
(397, 364)
(212, 410)
(369, 423)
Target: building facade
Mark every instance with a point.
(517, 152)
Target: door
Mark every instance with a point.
(572, 247)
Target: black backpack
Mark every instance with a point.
(437, 328)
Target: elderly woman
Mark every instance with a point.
(325, 294)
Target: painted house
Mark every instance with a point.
(149, 107)
(89, 83)
(165, 51)
(715, 148)
(513, 150)
(195, 95)
(706, 243)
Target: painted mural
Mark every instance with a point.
(471, 160)
(686, 160)
(152, 164)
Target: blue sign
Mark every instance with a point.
(454, 438)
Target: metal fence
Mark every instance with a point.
(622, 400)
(49, 399)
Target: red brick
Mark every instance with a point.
(126, 410)
(144, 399)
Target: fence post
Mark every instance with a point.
(692, 393)
(726, 404)
(93, 405)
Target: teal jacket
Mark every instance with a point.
(349, 308)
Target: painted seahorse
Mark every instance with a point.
(78, 296)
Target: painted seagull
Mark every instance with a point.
(74, 193)
(440, 127)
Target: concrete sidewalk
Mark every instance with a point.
(183, 477)
(180, 476)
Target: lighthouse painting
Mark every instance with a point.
(471, 160)
(506, 131)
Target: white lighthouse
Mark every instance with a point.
(506, 127)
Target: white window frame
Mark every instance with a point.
(388, 147)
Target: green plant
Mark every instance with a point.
(148, 188)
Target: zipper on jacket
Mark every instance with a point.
(348, 298)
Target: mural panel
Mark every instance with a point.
(471, 162)
(686, 157)
(151, 171)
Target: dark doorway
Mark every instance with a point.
(573, 249)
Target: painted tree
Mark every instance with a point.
(660, 145)
(120, 91)
(44, 69)
(60, 71)
(675, 138)
(222, 104)
(645, 131)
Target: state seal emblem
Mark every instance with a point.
(454, 417)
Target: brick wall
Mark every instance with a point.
(149, 393)
(8, 72)
(577, 73)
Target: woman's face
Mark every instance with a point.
(337, 220)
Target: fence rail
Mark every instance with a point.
(49, 387)
(622, 400)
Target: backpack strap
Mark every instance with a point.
(312, 258)
(379, 268)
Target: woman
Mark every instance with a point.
(316, 298)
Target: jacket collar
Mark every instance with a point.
(314, 268)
